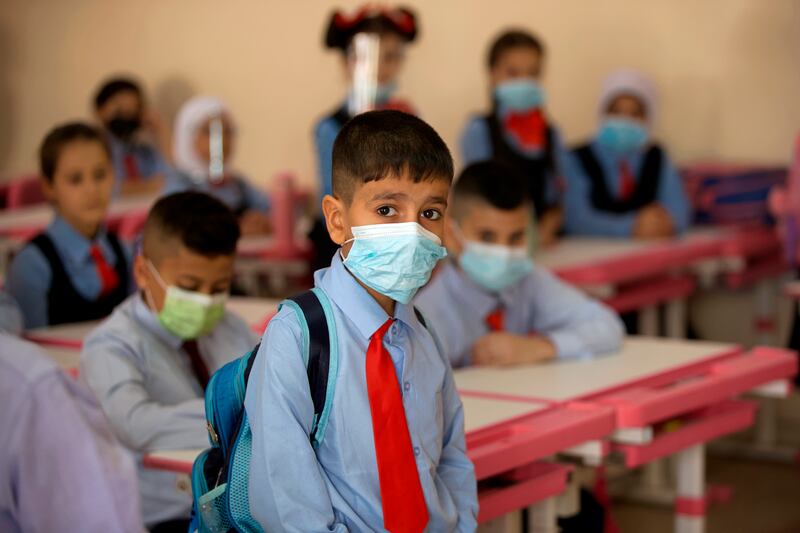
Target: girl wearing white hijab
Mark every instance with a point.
(622, 183)
(192, 153)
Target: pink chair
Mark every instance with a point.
(24, 191)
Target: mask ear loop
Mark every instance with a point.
(147, 294)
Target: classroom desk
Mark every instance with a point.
(67, 358)
(255, 311)
(670, 397)
(26, 222)
(504, 438)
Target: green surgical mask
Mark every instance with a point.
(189, 314)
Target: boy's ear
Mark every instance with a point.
(333, 209)
(140, 271)
(47, 189)
(450, 238)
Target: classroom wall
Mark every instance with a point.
(727, 69)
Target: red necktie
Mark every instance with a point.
(198, 365)
(626, 182)
(404, 509)
(529, 127)
(496, 319)
(108, 276)
(131, 167)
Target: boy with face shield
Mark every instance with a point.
(150, 361)
(136, 136)
(623, 184)
(489, 303)
(393, 456)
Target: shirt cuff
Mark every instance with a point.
(568, 345)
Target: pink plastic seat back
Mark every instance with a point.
(131, 226)
(24, 191)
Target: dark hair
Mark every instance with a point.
(369, 19)
(496, 183)
(512, 39)
(200, 222)
(60, 136)
(378, 144)
(114, 86)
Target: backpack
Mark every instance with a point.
(220, 475)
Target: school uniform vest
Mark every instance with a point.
(647, 184)
(64, 303)
(341, 116)
(537, 169)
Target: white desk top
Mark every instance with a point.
(66, 358)
(39, 216)
(577, 251)
(253, 310)
(641, 357)
(67, 333)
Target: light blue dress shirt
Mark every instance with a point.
(476, 146)
(294, 488)
(11, 320)
(60, 468)
(539, 303)
(149, 160)
(29, 275)
(145, 383)
(236, 192)
(582, 218)
(324, 136)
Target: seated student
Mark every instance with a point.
(61, 468)
(192, 152)
(75, 270)
(395, 28)
(136, 134)
(149, 362)
(393, 455)
(622, 183)
(517, 130)
(489, 303)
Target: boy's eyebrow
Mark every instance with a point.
(438, 200)
(390, 196)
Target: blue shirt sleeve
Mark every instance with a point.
(29, 280)
(672, 196)
(292, 496)
(581, 217)
(324, 137)
(476, 144)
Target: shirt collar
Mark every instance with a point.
(356, 303)
(148, 319)
(71, 243)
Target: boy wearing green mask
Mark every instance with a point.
(393, 455)
(150, 361)
(489, 303)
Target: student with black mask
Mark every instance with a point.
(135, 134)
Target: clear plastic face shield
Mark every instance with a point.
(216, 150)
(364, 55)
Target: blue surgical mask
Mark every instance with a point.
(384, 92)
(494, 267)
(519, 95)
(622, 136)
(394, 259)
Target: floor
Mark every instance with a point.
(766, 499)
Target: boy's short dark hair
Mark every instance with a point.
(493, 182)
(400, 21)
(200, 222)
(55, 141)
(512, 39)
(114, 86)
(379, 144)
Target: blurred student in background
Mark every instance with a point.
(517, 130)
(137, 136)
(395, 29)
(194, 139)
(622, 183)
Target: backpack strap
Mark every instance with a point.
(320, 353)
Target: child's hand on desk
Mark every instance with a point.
(254, 223)
(506, 349)
(653, 222)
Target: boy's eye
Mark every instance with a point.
(387, 211)
(100, 174)
(432, 214)
(74, 179)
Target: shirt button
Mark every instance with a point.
(416, 451)
(406, 386)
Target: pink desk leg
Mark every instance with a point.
(690, 501)
(648, 321)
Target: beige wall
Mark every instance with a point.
(728, 70)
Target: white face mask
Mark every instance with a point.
(394, 259)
